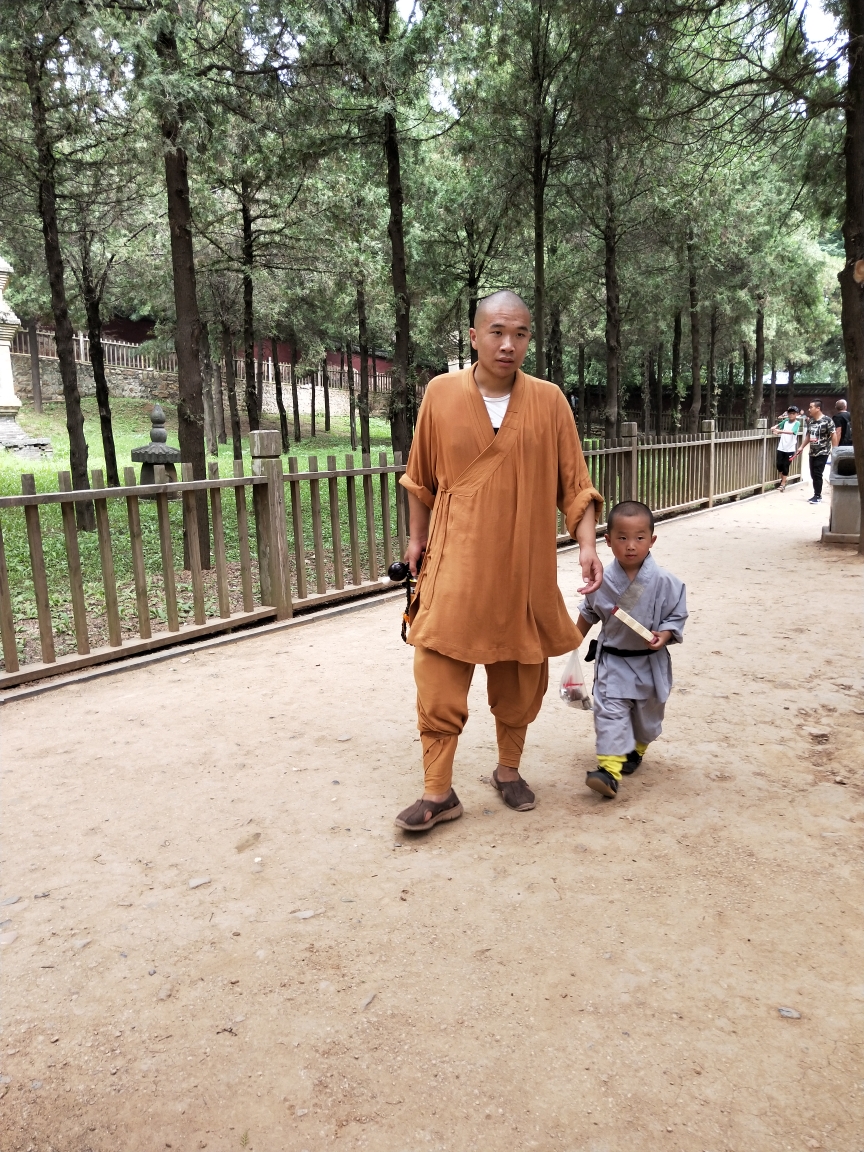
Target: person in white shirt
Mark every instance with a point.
(788, 427)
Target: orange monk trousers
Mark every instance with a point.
(515, 693)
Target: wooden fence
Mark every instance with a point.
(280, 542)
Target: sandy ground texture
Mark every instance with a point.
(212, 937)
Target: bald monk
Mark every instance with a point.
(495, 452)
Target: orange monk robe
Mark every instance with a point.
(488, 589)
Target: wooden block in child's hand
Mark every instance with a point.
(638, 628)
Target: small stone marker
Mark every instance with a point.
(789, 1013)
(368, 1001)
(9, 900)
(157, 451)
(308, 914)
(199, 881)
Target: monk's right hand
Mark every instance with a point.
(414, 555)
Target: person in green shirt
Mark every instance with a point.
(787, 427)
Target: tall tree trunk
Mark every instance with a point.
(35, 375)
(259, 378)
(852, 276)
(65, 339)
(190, 406)
(695, 351)
(729, 399)
(313, 428)
(772, 415)
(210, 437)
(790, 376)
(659, 384)
(280, 402)
(231, 389)
(91, 290)
(473, 284)
(248, 305)
(755, 405)
(295, 398)
(613, 312)
(538, 188)
(325, 385)
(400, 418)
(747, 381)
(218, 400)
(363, 334)
(374, 371)
(556, 347)
(651, 384)
(647, 381)
(352, 405)
(583, 414)
(710, 380)
(676, 371)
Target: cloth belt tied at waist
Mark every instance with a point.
(624, 653)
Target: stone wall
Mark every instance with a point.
(148, 384)
(133, 383)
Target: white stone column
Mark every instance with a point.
(9, 325)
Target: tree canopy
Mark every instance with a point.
(663, 182)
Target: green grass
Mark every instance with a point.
(131, 428)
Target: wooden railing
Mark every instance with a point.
(280, 543)
(284, 543)
(680, 474)
(120, 354)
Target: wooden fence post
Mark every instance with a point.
(708, 430)
(37, 567)
(762, 425)
(269, 504)
(630, 439)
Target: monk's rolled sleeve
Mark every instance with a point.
(419, 477)
(575, 490)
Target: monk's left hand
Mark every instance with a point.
(592, 571)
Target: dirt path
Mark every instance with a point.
(592, 975)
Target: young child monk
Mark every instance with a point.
(495, 456)
(633, 677)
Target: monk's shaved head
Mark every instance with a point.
(504, 298)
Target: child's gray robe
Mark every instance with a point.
(630, 693)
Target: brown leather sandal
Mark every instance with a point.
(516, 793)
(413, 819)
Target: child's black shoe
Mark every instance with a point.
(631, 763)
(603, 782)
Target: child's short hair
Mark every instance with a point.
(630, 508)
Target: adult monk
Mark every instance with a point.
(495, 452)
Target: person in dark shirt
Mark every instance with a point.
(842, 425)
(820, 432)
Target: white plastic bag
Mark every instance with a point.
(572, 689)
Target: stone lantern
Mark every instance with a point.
(158, 451)
(12, 437)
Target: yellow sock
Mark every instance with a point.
(612, 764)
(641, 748)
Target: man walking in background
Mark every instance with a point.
(819, 436)
(842, 425)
